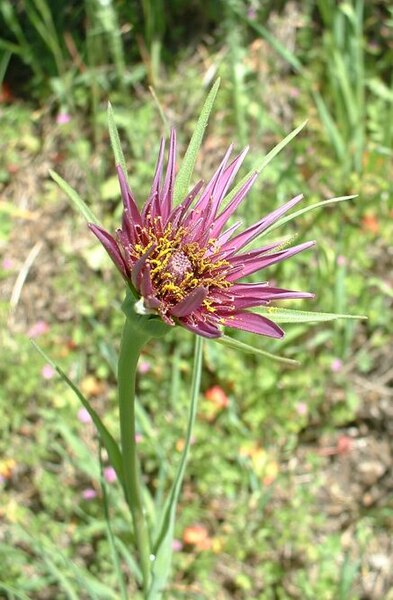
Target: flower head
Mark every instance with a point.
(185, 264)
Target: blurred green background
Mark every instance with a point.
(288, 490)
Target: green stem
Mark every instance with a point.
(163, 545)
(133, 340)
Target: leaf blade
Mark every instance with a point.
(186, 169)
(107, 438)
(115, 141)
(163, 544)
(260, 166)
(289, 315)
(302, 211)
(242, 347)
(76, 200)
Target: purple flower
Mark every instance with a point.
(7, 264)
(185, 264)
(176, 545)
(63, 118)
(89, 494)
(47, 371)
(84, 416)
(143, 366)
(110, 474)
(39, 328)
(336, 365)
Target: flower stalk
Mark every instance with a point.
(133, 340)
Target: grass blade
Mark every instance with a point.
(183, 177)
(76, 200)
(13, 592)
(289, 315)
(307, 209)
(261, 165)
(331, 128)
(242, 347)
(110, 536)
(163, 545)
(115, 141)
(107, 439)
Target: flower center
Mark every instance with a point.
(178, 266)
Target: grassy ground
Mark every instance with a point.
(288, 490)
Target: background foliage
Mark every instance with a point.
(288, 491)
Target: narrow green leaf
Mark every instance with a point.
(107, 439)
(11, 590)
(332, 130)
(115, 141)
(77, 201)
(289, 315)
(129, 559)
(349, 571)
(61, 577)
(307, 209)
(274, 42)
(110, 534)
(86, 581)
(163, 544)
(260, 165)
(183, 177)
(242, 347)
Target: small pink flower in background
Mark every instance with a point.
(62, 118)
(47, 371)
(294, 92)
(89, 494)
(38, 328)
(110, 474)
(185, 262)
(143, 366)
(301, 408)
(84, 416)
(176, 545)
(7, 264)
(138, 438)
(341, 260)
(336, 365)
(251, 13)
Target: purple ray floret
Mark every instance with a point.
(186, 263)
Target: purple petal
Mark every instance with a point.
(200, 228)
(130, 205)
(200, 327)
(138, 266)
(146, 287)
(230, 172)
(190, 303)
(111, 247)
(266, 292)
(166, 197)
(256, 264)
(158, 172)
(232, 206)
(244, 301)
(180, 211)
(252, 232)
(253, 323)
(223, 237)
(208, 192)
(247, 256)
